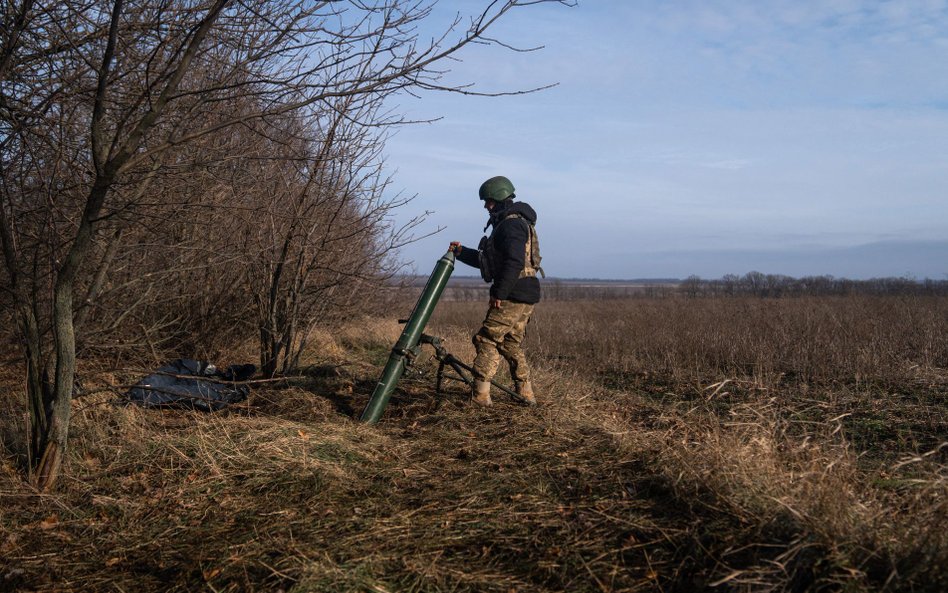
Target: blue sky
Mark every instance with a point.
(698, 138)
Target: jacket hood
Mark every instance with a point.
(524, 210)
(521, 208)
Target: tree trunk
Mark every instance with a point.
(48, 470)
(270, 349)
(37, 382)
(65, 342)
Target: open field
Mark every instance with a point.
(680, 445)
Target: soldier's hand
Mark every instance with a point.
(455, 247)
(495, 303)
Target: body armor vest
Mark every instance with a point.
(487, 253)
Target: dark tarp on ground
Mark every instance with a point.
(173, 386)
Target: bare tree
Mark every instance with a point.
(97, 100)
(327, 233)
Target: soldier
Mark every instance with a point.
(509, 259)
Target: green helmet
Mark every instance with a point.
(496, 188)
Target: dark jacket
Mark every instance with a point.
(510, 242)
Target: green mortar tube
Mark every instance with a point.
(408, 341)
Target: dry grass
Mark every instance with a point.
(809, 339)
(621, 481)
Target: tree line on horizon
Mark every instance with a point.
(752, 284)
(777, 285)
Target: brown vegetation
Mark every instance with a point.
(205, 178)
(843, 339)
(169, 169)
(667, 455)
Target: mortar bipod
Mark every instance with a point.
(465, 373)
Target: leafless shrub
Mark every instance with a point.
(99, 103)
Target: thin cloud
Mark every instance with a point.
(689, 125)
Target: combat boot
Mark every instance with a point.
(482, 393)
(525, 390)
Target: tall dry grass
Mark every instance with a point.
(674, 481)
(851, 339)
(806, 438)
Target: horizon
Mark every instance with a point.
(800, 139)
(474, 277)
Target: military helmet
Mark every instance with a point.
(496, 188)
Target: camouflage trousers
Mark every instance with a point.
(501, 335)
